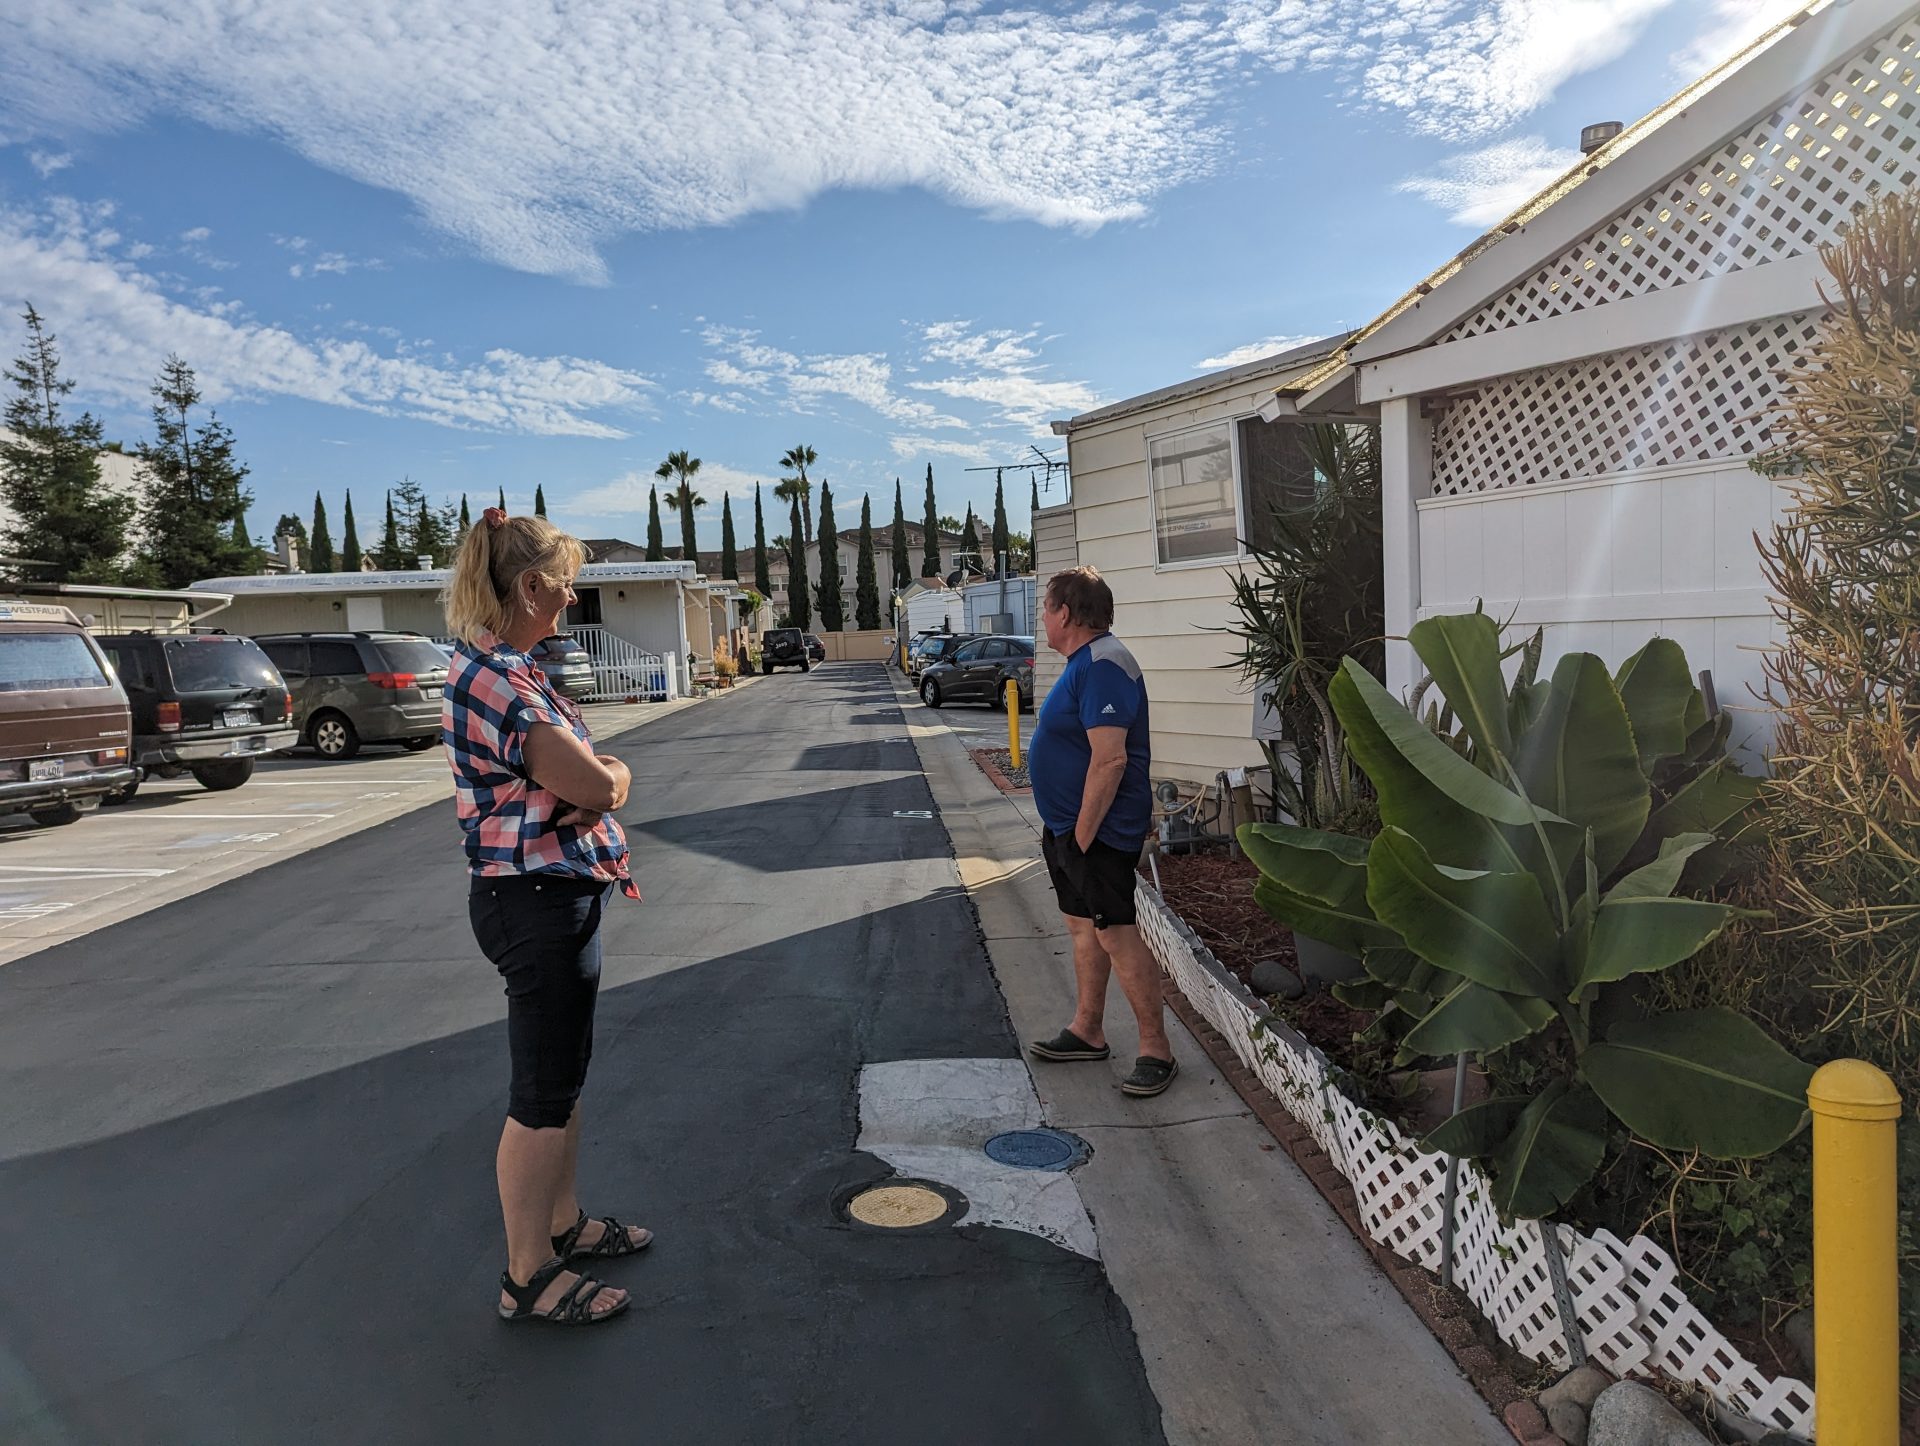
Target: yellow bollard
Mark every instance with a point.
(1856, 1282)
(1013, 720)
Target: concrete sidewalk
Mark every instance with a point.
(1259, 1317)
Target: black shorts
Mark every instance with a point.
(1096, 885)
(542, 932)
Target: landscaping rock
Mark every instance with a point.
(1274, 976)
(1630, 1414)
(1799, 1333)
(1580, 1387)
(1569, 1422)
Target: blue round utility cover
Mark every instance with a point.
(1037, 1149)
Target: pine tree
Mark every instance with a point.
(50, 474)
(351, 557)
(656, 544)
(866, 586)
(320, 557)
(392, 556)
(290, 525)
(799, 605)
(930, 544)
(762, 583)
(466, 522)
(1036, 498)
(196, 501)
(539, 500)
(1002, 543)
(833, 608)
(729, 558)
(969, 545)
(902, 567)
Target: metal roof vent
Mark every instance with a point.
(1595, 136)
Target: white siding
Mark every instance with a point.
(1054, 550)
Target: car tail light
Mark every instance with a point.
(289, 698)
(391, 680)
(110, 755)
(169, 717)
(1026, 662)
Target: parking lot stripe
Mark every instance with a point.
(87, 873)
(164, 815)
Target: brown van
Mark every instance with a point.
(65, 733)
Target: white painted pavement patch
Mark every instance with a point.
(931, 1119)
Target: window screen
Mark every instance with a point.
(1196, 514)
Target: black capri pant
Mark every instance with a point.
(542, 932)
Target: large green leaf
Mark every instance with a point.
(1554, 1148)
(1705, 1079)
(1579, 760)
(1491, 928)
(1308, 861)
(1644, 936)
(1709, 803)
(1478, 1130)
(1424, 786)
(1661, 701)
(1660, 878)
(1347, 925)
(1473, 1019)
(1462, 652)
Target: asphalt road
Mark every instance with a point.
(246, 1140)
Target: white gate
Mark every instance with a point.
(622, 669)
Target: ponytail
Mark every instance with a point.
(499, 550)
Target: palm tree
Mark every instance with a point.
(797, 487)
(681, 469)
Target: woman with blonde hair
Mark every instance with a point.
(535, 803)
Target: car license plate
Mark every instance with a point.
(429, 692)
(240, 718)
(41, 769)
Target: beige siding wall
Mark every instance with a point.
(1202, 712)
(857, 647)
(402, 611)
(1054, 551)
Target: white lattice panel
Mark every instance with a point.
(1692, 399)
(1634, 1316)
(1781, 189)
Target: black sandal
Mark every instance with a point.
(613, 1242)
(1150, 1076)
(1065, 1047)
(575, 1306)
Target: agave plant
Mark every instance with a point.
(1528, 868)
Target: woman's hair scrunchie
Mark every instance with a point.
(494, 516)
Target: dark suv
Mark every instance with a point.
(355, 688)
(208, 704)
(785, 648)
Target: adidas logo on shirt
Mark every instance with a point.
(1106, 710)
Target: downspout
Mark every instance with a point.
(686, 658)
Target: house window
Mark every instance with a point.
(1215, 488)
(585, 611)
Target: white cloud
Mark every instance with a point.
(197, 234)
(1000, 370)
(327, 263)
(1731, 26)
(116, 325)
(1478, 188)
(1253, 351)
(746, 363)
(529, 138)
(940, 447)
(49, 163)
(626, 495)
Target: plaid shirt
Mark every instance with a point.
(494, 694)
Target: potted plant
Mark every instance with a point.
(1530, 868)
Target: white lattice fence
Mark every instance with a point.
(1780, 189)
(1635, 1318)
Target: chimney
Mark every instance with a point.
(1595, 136)
(424, 562)
(288, 546)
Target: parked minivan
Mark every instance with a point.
(355, 688)
(209, 704)
(65, 734)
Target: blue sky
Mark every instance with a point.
(552, 247)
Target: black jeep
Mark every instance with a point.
(785, 648)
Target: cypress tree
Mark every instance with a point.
(656, 544)
(390, 542)
(762, 584)
(969, 544)
(1036, 497)
(320, 542)
(799, 605)
(50, 474)
(539, 500)
(833, 608)
(466, 521)
(194, 517)
(729, 557)
(503, 499)
(866, 586)
(902, 567)
(350, 554)
(930, 544)
(1002, 542)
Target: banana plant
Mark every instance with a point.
(1528, 869)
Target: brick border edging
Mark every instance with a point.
(1441, 1313)
(994, 776)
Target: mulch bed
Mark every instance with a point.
(997, 764)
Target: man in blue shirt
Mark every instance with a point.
(1089, 759)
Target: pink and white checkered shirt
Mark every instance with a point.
(495, 693)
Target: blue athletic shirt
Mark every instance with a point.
(1101, 687)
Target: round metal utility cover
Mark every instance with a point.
(1037, 1149)
(898, 1207)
